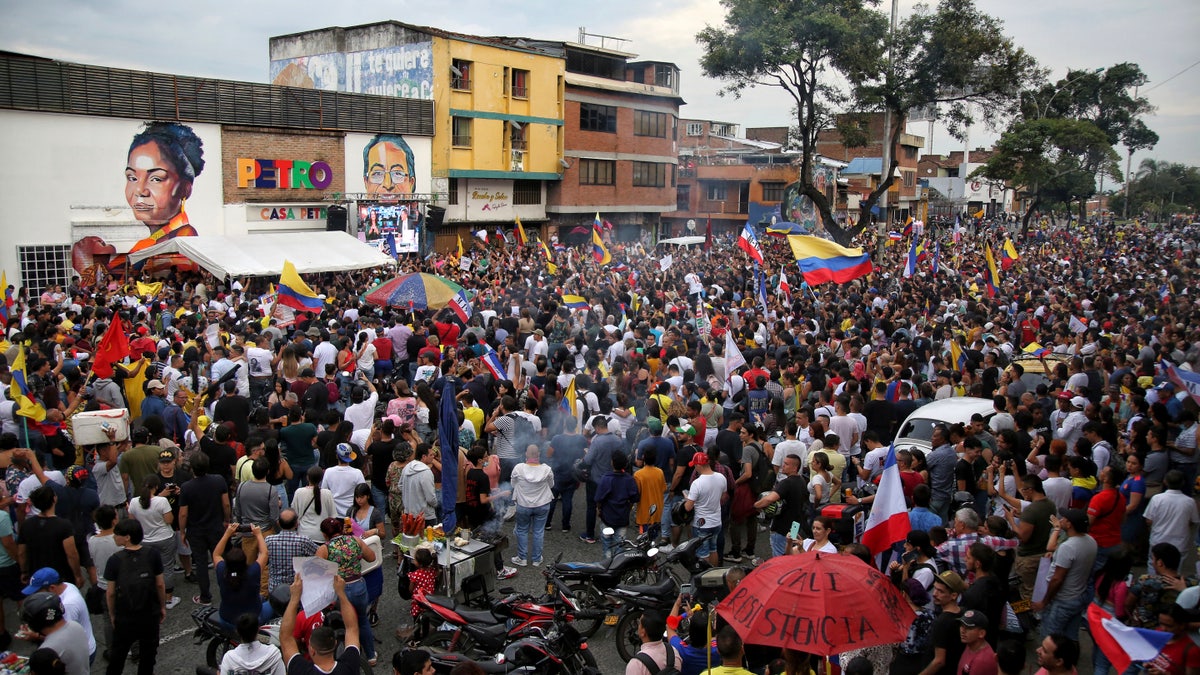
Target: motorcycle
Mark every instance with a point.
(558, 650)
(635, 601)
(487, 631)
(589, 582)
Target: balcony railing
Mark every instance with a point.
(460, 83)
(461, 141)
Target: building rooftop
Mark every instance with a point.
(864, 166)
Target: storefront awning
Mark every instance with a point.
(261, 255)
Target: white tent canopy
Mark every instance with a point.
(261, 255)
(683, 241)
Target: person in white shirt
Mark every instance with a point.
(1172, 516)
(536, 345)
(341, 480)
(791, 446)
(361, 412)
(704, 498)
(531, 484)
(695, 286)
(74, 606)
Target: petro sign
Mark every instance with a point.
(283, 173)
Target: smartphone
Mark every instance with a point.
(243, 528)
(795, 531)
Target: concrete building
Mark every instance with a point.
(499, 106)
(951, 190)
(259, 159)
(621, 127)
(866, 165)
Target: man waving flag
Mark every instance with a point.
(748, 242)
(888, 522)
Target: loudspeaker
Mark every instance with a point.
(335, 219)
(434, 215)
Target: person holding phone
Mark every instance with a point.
(238, 581)
(791, 495)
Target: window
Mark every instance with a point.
(695, 128)
(460, 133)
(590, 63)
(772, 192)
(597, 171)
(460, 75)
(527, 192)
(910, 178)
(43, 266)
(517, 136)
(649, 124)
(715, 192)
(649, 174)
(452, 187)
(664, 76)
(683, 198)
(519, 84)
(910, 152)
(594, 117)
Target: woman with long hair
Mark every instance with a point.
(821, 485)
(289, 365)
(238, 580)
(152, 509)
(364, 513)
(312, 505)
(427, 412)
(279, 472)
(349, 552)
(365, 354)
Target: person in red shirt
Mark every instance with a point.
(447, 332)
(909, 479)
(977, 658)
(751, 376)
(1029, 329)
(383, 352)
(1179, 656)
(1106, 512)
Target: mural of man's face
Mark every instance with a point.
(154, 188)
(388, 172)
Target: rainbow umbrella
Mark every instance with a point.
(420, 291)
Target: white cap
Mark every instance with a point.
(1079, 402)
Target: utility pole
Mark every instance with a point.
(886, 162)
(1128, 167)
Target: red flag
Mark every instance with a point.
(708, 236)
(113, 347)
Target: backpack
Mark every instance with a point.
(137, 589)
(523, 433)
(651, 666)
(405, 588)
(761, 477)
(1115, 459)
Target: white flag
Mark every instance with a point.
(733, 357)
(665, 263)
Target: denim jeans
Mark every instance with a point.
(669, 502)
(356, 593)
(613, 542)
(590, 517)
(202, 545)
(778, 544)
(1064, 615)
(566, 495)
(531, 518)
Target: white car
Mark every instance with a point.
(917, 429)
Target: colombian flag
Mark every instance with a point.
(519, 233)
(550, 266)
(7, 303)
(1008, 255)
(294, 293)
(575, 302)
(567, 404)
(599, 252)
(821, 260)
(991, 276)
(27, 405)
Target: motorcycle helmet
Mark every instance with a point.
(770, 510)
(680, 515)
(41, 610)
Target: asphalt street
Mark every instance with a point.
(178, 652)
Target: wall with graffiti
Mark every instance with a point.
(382, 170)
(403, 70)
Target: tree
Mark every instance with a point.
(1162, 187)
(1052, 158)
(799, 46)
(950, 58)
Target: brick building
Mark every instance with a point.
(864, 172)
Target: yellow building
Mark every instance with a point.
(498, 108)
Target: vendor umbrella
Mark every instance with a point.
(420, 291)
(819, 603)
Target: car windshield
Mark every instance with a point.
(920, 429)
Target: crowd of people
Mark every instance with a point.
(255, 442)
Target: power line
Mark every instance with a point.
(1171, 77)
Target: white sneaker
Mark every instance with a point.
(519, 562)
(175, 600)
(536, 563)
(511, 512)
(507, 573)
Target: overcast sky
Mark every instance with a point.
(226, 39)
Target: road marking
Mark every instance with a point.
(173, 636)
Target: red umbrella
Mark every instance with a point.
(819, 603)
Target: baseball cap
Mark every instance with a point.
(1078, 519)
(973, 618)
(41, 610)
(345, 452)
(685, 429)
(42, 578)
(1065, 395)
(165, 456)
(1079, 402)
(203, 421)
(77, 473)
(951, 580)
(698, 459)
(155, 384)
(654, 424)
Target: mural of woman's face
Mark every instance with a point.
(154, 187)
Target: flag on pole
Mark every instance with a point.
(550, 266)
(1164, 293)
(491, 361)
(460, 247)
(784, 289)
(888, 522)
(113, 347)
(910, 263)
(519, 233)
(991, 275)
(980, 213)
(708, 239)
(733, 357)
(294, 293)
(748, 242)
(908, 227)
(1008, 255)
(568, 402)
(26, 404)
(599, 251)
(957, 356)
(482, 235)
(821, 260)
(957, 228)
(1183, 379)
(1122, 644)
(389, 246)
(4, 306)
(574, 302)
(937, 257)
(761, 286)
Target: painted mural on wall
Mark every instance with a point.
(405, 71)
(388, 178)
(799, 209)
(163, 162)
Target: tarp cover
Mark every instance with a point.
(261, 255)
